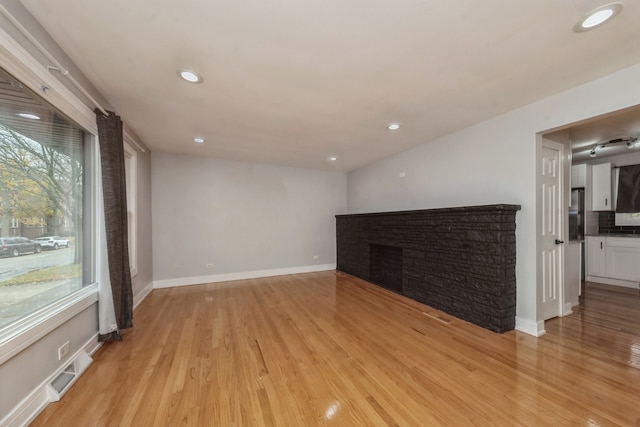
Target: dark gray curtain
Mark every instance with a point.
(629, 189)
(115, 213)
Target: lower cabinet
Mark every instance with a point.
(596, 259)
(613, 260)
(623, 258)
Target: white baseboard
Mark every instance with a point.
(614, 282)
(37, 400)
(567, 309)
(27, 410)
(199, 280)
(137, 299)
(528, 327)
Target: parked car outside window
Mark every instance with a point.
(52, 242)
(15, 246)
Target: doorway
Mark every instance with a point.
(603, 139)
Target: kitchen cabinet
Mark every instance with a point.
(596, 256)
(623, 258)
(601, 187)
(613, 260)
(579, 176)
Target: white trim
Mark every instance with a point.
(614, 282)
(199, 280)
(131, 166)
(140, 296)
(31, 406)
(132, 141)
(24, 332)
(92, 345)
(27, 410)
(528, 327)
(567, 309)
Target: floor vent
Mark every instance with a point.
(61, 383)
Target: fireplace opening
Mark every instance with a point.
(385, 267)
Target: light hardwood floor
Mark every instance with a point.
(329, 349)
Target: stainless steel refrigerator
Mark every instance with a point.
(576, 215)
(576, 220)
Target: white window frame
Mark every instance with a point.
(23, 66)
(131, 176)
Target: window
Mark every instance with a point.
(42, 165)
(131, 174)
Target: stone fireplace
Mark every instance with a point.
(385, 267)
(458, 260)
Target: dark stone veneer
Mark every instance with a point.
(458, 260)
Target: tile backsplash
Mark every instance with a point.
(607, 224)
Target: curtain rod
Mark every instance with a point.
(57, 66)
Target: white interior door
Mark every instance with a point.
(550, 239)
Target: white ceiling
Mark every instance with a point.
(294, 82)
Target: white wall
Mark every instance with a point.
(24, 373)
(491, 162)
(240, 217)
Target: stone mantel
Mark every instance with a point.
(459, 260)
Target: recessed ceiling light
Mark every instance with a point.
(189, 75)
(198, 140)
(393, 126)
(333, 158)
(597, 17)
(28, 116)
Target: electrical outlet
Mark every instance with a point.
(316, 257)
(209, 266)
(63, 350)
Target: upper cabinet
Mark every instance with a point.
(601, 187)
(579, 176)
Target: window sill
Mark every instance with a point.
(31, 328)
